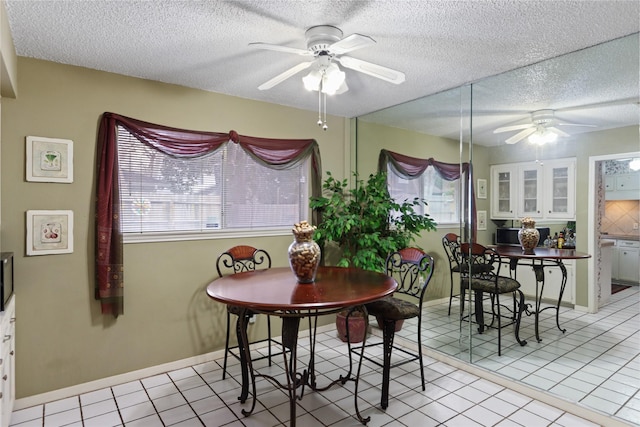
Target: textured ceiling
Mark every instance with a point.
(205, 44)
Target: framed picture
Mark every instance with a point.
(49, 232)
(49, 159)
(482, 220)
(481, 191)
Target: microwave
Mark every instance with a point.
(6, 276)
(509, 236)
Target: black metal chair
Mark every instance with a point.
(484, 264)
(237, 260)
(451, 244)
(412, 268)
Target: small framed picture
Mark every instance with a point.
(49, 159)
(49, 232)
(481, 191)
(482, 220)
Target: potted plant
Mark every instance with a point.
(364, 224)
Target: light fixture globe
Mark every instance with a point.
(542, 136)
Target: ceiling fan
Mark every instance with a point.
(326, 46)
(542, 129)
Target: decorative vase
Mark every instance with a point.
(528, 235)
(304, 253)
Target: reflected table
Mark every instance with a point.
(540, 258)
(276, 291)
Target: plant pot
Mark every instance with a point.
(399, 323)
(357, 327)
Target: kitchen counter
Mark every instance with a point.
(620, 236)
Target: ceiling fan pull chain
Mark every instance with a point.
(320, 105)
(324, 97)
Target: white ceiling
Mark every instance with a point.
(205, 44)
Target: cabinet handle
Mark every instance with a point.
(12, 352)
(0, 395)
(13, 319)
(5, 377)
(6, 338)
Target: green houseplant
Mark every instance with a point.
(365, 224)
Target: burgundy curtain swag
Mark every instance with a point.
(274, 153)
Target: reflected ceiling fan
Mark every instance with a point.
(542, 129)
(326, 48)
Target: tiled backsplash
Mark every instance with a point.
(620, 217)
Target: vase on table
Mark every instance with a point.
(528, 235)
(304, 253)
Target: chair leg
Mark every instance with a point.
(226, 348)
(388, 333)
(497, 304)
(450, 292)
(269, 337)
(424, 388)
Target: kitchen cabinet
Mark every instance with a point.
(552, 282)
(625, 186)
(541, 190)
(503, 191)
(627, 256)
(7, 362)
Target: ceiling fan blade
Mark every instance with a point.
(384, 73)
(279, 48)
(351, 43)
(283, 76)
(514, 127)
(575, 124)
(557, 131)
(520, 135)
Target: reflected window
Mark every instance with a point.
(442, 196)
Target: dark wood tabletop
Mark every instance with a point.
(277, 289)
(539, 253)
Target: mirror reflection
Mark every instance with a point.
(556, 142)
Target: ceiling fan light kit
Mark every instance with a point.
(326, 44)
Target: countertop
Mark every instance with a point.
(620, 236)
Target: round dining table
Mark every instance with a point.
(276, 291)
(539, 258)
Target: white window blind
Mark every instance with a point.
(442, 196)
(224, 190)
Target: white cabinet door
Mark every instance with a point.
(552, 283)
(628, 182)
(503, 191)
(614, 263)
(7, 363)
(559, 182)
(628, 256)
(530, 191)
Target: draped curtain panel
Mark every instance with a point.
(277, 154)
(413, 167)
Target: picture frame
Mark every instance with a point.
(49, 159)
(481, 190)
(482, 220)
(49, 232)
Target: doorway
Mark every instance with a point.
(596, 211)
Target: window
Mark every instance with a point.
(442, 196)
(224, 190)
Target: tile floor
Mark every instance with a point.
(197, 396)
(596, 362)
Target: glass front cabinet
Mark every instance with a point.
(542, 190)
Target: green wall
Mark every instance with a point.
(61, 338)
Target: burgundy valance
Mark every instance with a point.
(413, 167)
(180, 143)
